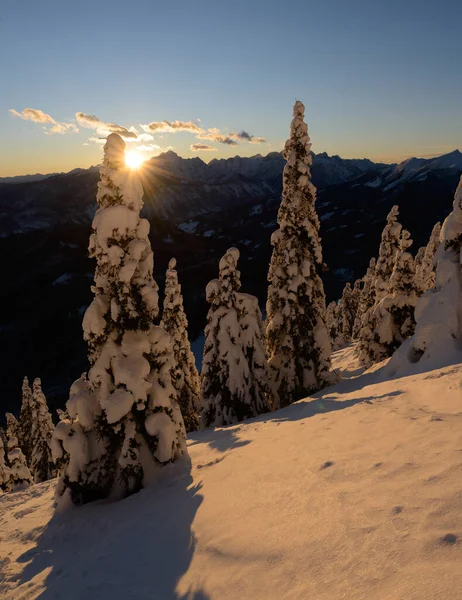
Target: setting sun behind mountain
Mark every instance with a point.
(133, 159)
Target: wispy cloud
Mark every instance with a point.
(147, 147)
(215, 135)
(102, 128)
(38, 116)
(172, 126)
(202, 148)
(244, 136)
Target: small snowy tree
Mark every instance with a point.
(20, 476)
(394, 315)
(366, 298)
(124, 418)
(225, 376)
(253, 341)
(41, 465)
(389, 246)
(350, 301)
(12, 426)
(425, 267)
(438, 333)
(5, 475)
(332, 322)
(185, 377)
(25, 432)
(298, 345)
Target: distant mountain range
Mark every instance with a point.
(196, 211)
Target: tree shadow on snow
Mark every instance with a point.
(309, 408)
(220, 439)
(137, 548)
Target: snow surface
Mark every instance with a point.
(352, 494)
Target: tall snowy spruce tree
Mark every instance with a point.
(298, 345)
(41, 462)
(185, 377)
(124, 419)
(438, 332)
(231, 392)
(389, 247)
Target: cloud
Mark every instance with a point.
(38, 116)
(147, 147)
(102, 128)
(202, 148)
(96, 140)
(214, 135)
(247, 137)
(172, 126)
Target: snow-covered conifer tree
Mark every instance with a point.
(393, 317)
(25, 432)
(20, 476)
(366, 349)
(41, 465)
(425, 268)
(253, 342)
(12, 426)
(185, 377)
(332, 321)
(234, 378)
(5, 475)
(124, 418)
(298, 345)
(438, 332)
(366, 298)
(350, 301)
(389, 246)
(225, 372)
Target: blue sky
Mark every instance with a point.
(378, 79)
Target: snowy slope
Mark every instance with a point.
(353, 494)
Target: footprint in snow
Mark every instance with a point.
(449, 539)
(327, 464)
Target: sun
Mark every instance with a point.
(133, 159)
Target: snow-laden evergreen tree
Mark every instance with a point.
(5, 475)
(438, 332)
(393, 317)
(25, 432)
(350, 301)
(298, 345)
(231, 391)
(334, 324)
(332, 321)
(20, 476)
(12, 426)
(253, 339)
(389, 246)
(366, 348)
(366, 298)
(124, 419)
(425, 267)
(185, 377)
(41, 465)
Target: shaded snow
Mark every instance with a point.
(352, 494)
